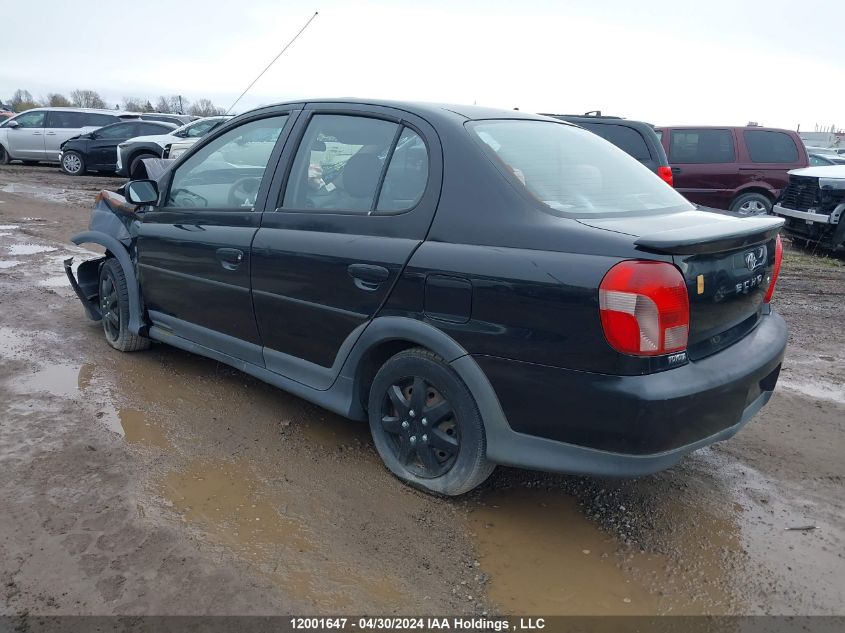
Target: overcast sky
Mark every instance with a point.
(777, 62)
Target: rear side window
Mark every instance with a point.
(339, 163)
(407, 175)
(625, 138)
(99, 120)
(201, 128)
(765, 146)
(62, 119)
(151, 128)
(701, 146)
(119, 131)
(572, 171)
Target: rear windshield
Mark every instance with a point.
(572, 171)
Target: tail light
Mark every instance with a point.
(644, 308)
(665, 173)
(775, 271)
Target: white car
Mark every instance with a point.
(130, 152)
(37, 134)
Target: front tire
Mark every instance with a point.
(73, 164)
(135, 163)
(114, 306)
(426, 425)
(5, 159)
(751, 204)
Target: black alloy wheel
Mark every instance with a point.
(426, 425)
(424, 433)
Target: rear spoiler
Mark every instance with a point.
(712, 238)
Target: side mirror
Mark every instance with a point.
(142, 191)
(13, 124)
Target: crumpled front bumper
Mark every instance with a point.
(86, 285)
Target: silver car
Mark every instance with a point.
(35, 135)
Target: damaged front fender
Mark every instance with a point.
(111, 226)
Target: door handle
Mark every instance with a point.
(50, 134)
(230, 258)
(676, 170)
(368, 276)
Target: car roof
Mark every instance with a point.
(74, 109)
(726, 127)
(422, 108)
(166, 124)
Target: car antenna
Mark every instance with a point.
(287, 46)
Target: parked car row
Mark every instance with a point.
(740, 169)
(39, 134)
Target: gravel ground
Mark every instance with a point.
(163, 483)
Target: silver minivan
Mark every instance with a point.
(35, 135)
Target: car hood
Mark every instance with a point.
(823, 171)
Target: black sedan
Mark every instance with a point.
(97, 150)
(483, 286)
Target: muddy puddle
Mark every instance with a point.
(50, 194)
(544, 556)
(230, 507)
(28, 249)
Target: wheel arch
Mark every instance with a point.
(389, 335)
(756, 187)
(117, 250)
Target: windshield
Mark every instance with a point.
(573, 171)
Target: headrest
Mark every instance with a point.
(360, 175)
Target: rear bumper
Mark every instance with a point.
(579, 422)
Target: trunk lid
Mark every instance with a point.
(726, 262)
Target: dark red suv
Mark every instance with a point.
(742, 169)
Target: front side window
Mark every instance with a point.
(227, 172)
(31, 119)
(339, 163)
(572, 171)
(701, 146)
(770, 147)
(816, 161)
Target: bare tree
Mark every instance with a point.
(204, 107)
(87, 99)
(22, 100)
(134, 104)
(172, 103)
(57, 100)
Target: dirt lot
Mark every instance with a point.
(164, 483)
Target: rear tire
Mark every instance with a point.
(751, 204)
(426, 425)
(73, 164)
(114, 305)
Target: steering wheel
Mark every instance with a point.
(244, 191)
(188, 199)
